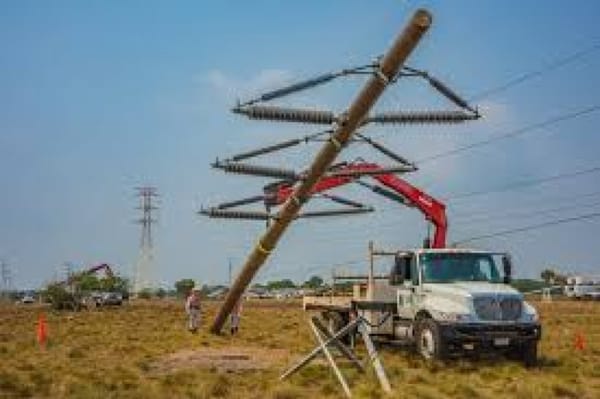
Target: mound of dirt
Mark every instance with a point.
(221, 359)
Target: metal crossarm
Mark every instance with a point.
(243, 201)
(384, 150)
(310, 83)
(342, 200)
(442, 88)
(384, 192)
(278, 146)
(335, 212)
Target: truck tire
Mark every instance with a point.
(529, 355)
(429, 340)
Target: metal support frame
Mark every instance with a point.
(325, 338)
(389, 67)
(331, 361)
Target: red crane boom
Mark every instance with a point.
(94, 269)
(399, 190)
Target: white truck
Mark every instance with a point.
(445, 302)
(580, 287)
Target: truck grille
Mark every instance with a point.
(498, 308)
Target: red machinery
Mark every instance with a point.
(397, 190)
(76, 276)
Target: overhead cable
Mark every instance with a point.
(533, 74)
(530, 227)
(513, 133)
(525, 183)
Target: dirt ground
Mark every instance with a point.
(230, 359)
(143, 350)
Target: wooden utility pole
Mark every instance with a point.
(389, 66)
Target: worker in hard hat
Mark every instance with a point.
(192, 308)
(236, 314)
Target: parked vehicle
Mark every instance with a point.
(445, 302)
(580, 287)
(27, 298)
(111, 299)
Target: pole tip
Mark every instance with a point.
(423, 18)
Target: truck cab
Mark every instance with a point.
(457, 300)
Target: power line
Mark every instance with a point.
(511, 134)
(525, 183)
(530, 227)
(523, 213)
(570, 198)
(556, 64)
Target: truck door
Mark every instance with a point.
(406, 266)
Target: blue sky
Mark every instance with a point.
(99, 97)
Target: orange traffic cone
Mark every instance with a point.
(42, 331)
(579, 341)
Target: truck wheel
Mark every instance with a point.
(429, 341)
(529, 354)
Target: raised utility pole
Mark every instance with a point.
(347, 124)
(143, 269)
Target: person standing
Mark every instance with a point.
(236, 315)
(192, 308)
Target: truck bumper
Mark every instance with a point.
(488, 337)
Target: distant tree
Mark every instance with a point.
(161, 293)
(560, 279)
(548, 275)
(145, 294)
(313, 282)
(527, 285)
(114, 284)
(87, 282)
(184, 286)
(279, 284)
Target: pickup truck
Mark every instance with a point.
(445, 302)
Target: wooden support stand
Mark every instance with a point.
(325, 338)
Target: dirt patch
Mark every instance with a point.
(223, 360)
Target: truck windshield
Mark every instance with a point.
(450, 267)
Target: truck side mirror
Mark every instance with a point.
(507, 265)
(427, 242)
(397, 274)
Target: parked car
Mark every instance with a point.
(27, 298)
(111, 299)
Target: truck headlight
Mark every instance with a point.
(455, 317)
(531, 317)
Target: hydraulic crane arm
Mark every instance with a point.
(397, 189)
(94, 269)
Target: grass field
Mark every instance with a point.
(142, 350)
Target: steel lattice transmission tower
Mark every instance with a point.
(6, 276)
(143, 274)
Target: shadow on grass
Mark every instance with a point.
(466, 362)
